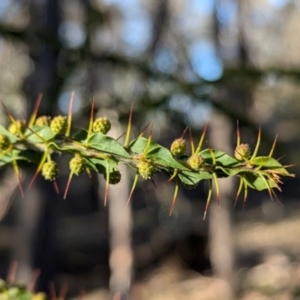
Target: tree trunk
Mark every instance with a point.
(220, 224)
(120, 223)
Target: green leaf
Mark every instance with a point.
(107, 144)
(99, 164)
(235, 170)
(270, 163)
(222, 159)
(257, 183)
(80, 135)
(193, 178)
(27, 155)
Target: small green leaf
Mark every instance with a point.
(80, 135)
(107, 144)
(26, 155)
(235, 170)
(193, 178)
(257, 183)
(270, 163)
(39, 134)
(222, 159)
(99, 164)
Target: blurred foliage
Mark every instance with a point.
(18, 292)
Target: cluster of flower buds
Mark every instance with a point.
(178, 147)
(101, 125)
(50, 170)
(77, 164)
(195, 161)
(145, 166)
(59, 125)
(4, 142)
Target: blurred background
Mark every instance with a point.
(180, 63)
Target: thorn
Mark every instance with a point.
(68, 185)
(238, 134)
(269, 188)
(275, 196)
(273, 146)
(192, 141)
(207, 200)
(91, 120)
(257, 144)
(11, 118)
(238, 191)
(245, 194)
(202, 137)
(34, 178)
(213, 157)
(39, 168)
(106, 183)
(174, 198)
(217, 187)
(149, 139)
(35, 110)
(18, 176)
(153, 182)
(106, 190)
(90, 176)
(281, 157)
(144, 129)
(172, 176)
(55, 187)
(128, 131)
(20, 185)
(290, 165)
(184, 131)
(34, 132)
(121, 136)
(70, 114)
(132, 189)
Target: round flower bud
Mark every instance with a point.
(178, 147)
(77, 164)
(195, 161)
(101, 125)
(42, 121)
(146, 168)
(17, 127)
(50, 170)
(4, 142)
(59, 125)
(114, 177)
(242, 152)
